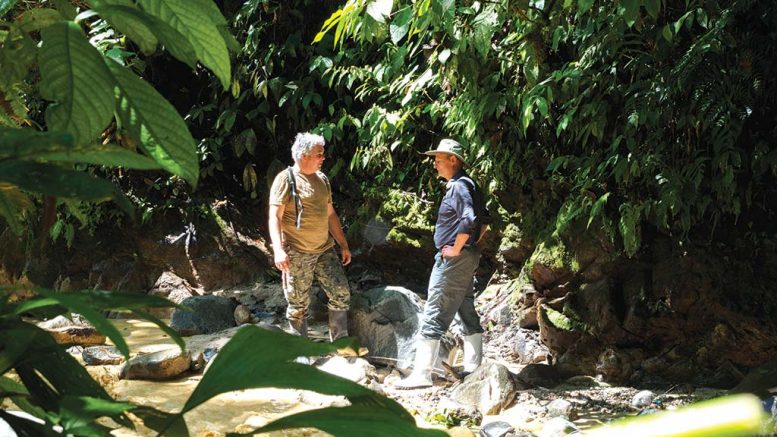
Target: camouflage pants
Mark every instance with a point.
(303, 268)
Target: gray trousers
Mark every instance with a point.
(451, 291)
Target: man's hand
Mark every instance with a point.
(282, 260)
(345, 254)
(450, 252)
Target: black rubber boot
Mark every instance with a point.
(299, 327)
(338, 324)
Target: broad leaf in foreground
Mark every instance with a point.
(195, 24)
(89, 304)
(258, 358)
(74, 77)
(155, 125)
(352, 421)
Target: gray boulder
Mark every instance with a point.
(101, 356)
(204, 315)
(165, 364)
(529, 348)
(490, 388)
(385, 320)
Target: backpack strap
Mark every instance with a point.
(295, 196)
(483, 217)
(326, 181)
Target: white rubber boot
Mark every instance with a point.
(473, 352)
(425, 355)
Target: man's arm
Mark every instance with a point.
(455, 250)
(336, 229)
(276, 236)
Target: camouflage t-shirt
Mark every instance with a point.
(314, 192)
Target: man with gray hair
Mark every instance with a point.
(304, 228)
(461, 222)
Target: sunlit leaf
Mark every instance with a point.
(352, 421)
(379, 10)
(74, 78)
(400, 24)
(197, 26)
(155, 125)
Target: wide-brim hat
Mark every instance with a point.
(451, 147)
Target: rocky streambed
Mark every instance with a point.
(492, 402)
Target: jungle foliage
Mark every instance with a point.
(74, 61)
(629, 113)
(623, 116)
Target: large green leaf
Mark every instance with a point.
(37, 19)
(56, 181)
(379, 10)
(485, 25)
(256, 358)
(43, 357)
(130, 21)
(89, 304)
(54, 380)
(5, 6)
(155, 125)
(192, 20)
(653, 7)
(401, 24)
(20, 396)
(103, 154)
(17, 54)
(631, 11)
(170, 425)
(351, 421)
(74, 77)
(174, 41)
(22, 143)
(27, 428)
(78, 414)
(729, 416)
(13, 204)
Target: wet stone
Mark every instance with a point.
(496, 429)
(101, 356)
(562, 408)
(643, 399)
(160, 365)
(78, 335)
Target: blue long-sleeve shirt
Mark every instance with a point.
(459, 212)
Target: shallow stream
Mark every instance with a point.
(230, 412)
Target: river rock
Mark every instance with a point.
(495, 429)
(385, 320)
(352, 368)
(242, 315)
(173, 288)
(161, 365)
(63, 322)
(491, 388)
(538, 375)
(643, 399)
(528, 347)
(562, 408)
(80, 335)
(101, 356)
(204, 315)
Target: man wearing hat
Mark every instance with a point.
(460, 222)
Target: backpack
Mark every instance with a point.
(483, 217)
(297, 198)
